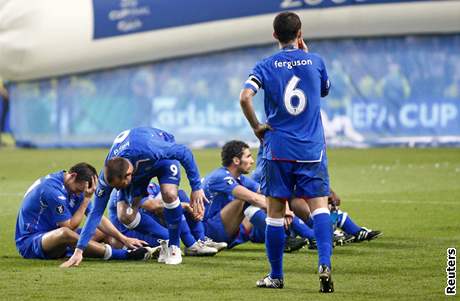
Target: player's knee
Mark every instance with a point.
(124, 218)
(67, 235)
(169, 195)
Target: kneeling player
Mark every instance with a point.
(52, 210)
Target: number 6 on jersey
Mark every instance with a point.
(291, 92)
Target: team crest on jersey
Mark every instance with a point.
(100, 192)
(60, 209)
(230, 180)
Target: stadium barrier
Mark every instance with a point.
(385, 91)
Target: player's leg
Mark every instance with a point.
(196, 227)
(194, 247)
(134, 218)
(224, 226)
(168, 174)
(345, 223)
(231, 216)
(312, 181)
(300, 208)
(55, 245)
(278, 187)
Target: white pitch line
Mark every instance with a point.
(402, 202)
(11, 194)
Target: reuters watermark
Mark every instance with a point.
(451, 272)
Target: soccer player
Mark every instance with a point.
(231, 194)
(137, 156)
(293, 142)
(52, 210)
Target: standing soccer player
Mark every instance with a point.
(293, 142)
(137, 156)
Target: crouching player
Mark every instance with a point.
(53, 208)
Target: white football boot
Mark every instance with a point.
(200, 249)
(174, 255)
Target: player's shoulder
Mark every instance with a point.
(213, 173)
(53, 186)
(217, 174)
(53, 181)
(248, 181)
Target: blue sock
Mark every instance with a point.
(346, 224)
(309, 222)
(240, 239)
(258, 220)
(119, 254)
(196, 227)
(299, 228)
(149, 226)
(274, 243)
(323, 232)
(185, 234)
(173, 218)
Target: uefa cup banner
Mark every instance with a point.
(385, 91)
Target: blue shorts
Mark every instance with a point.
(31, 247)
(284, 179)
(167, 172)
(214, 229)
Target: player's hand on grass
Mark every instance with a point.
(197, 200)
(89, 190)
(260, 130)
(134, 243)
(75, 260)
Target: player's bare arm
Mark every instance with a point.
(246, 102)
(242, 193)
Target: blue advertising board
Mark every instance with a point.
(120, 17)
(385, 91)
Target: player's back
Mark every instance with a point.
(34, 215)
(293, 81)
(139, 142)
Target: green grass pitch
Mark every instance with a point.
(412, 195)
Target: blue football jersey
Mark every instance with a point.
(218, 187)
(143, 147)
(46, 203)
(293, 81)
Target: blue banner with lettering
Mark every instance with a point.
(113, 18)
(385, 91)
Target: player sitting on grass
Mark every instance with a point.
(53, 208)
(233, 197)
(191, 227)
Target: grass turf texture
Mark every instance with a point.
(412, 195)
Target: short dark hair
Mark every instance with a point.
(231, 149)
(116, 168)
(84, 171)
(286, 26)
